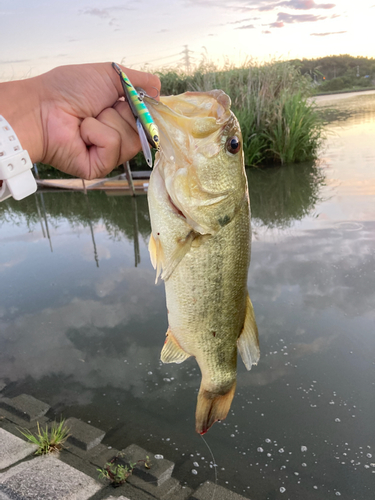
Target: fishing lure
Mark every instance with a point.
(147, 128)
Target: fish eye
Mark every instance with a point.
(233, 145)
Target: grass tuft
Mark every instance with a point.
(48, 440)
(117, 473)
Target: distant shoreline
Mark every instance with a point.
(345, 94)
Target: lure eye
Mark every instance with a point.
(156, 138)
(233, 145)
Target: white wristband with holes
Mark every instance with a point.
(16, 178)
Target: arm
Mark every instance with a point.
(71, 117)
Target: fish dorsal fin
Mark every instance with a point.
(182, 248)
(248, 341)
(156, 255)
(172, 352)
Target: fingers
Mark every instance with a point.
(111, 140)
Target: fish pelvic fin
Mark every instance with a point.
(156, 255)
(212, 407)
(248, 341)
(172, 352)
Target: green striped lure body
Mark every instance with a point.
(147, 128)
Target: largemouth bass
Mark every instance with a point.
(200, 243)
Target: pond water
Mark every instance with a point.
(82, 325)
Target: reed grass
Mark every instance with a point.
(270, 101)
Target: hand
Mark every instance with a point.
(72, 118)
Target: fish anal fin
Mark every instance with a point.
(156, 255)
(172, 352)
(248, 341)
(212, 407)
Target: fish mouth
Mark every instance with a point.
(195, 114)
(158, 176)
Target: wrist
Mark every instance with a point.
(20, 106)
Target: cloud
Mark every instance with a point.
(106, 13)
(329, 33)
(14, 61)
(246, 27)
(93, 11)
(283, 17)
(243, 20)
(298, 18)
(277, 24)
(305, 5)
(263, 5)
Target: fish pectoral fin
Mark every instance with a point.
(172, 352)
(248, 341)
(156, 255)
(182, 248)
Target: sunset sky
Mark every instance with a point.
(37, 35)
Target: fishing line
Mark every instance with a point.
(213, 464)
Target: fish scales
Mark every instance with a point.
(216, 270)
(201, 234)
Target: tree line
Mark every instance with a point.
(338, 72)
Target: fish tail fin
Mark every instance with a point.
(212, 407)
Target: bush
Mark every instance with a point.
(270, 102)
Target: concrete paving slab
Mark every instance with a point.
(82, 435)
(160, 469)
(7, 416)
(47, 478)
(13, 449)
(101, 455)
(117, 498)
(181, 493)
(162, 492)
(210, 490)
(127, 491)
(25, 406)
(14, 428)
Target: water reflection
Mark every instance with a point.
(280, 196)
(122, 216)
(87, 339)
(115, 212)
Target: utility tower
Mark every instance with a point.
(186, 55)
